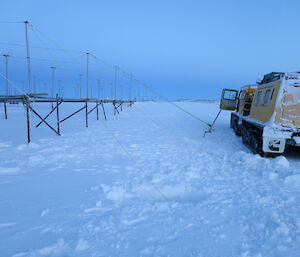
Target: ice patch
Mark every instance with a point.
(81, 245)
(117, 194)
(36, 160)
(293, 180)
(30, 146)
(133, 222)
(174, 191)
(45, 212)
(12, 170)
(273, 176)
(105, 188)
(282, 229)
(59, 249)
(4, 145)
(282, 162)
(4, 225)
(47, 230)
(97, 209)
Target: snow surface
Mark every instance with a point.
(144, 183)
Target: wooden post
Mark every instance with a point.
(57, 115)
(97, 111)
(103, 110)
(86, 115)
(5, 111)
(28, 122)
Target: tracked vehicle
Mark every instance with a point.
(266, 114)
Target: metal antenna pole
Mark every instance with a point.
(45, 87)
(23, 88)
(98, 88)
(130, 87)
(111, 91)
(87, 75)
(76, 90)
(139, 94)
(121, 92)
(59, 89)
(116, 74)
(52, 87)
(33, 83)
(28, 56)
(28, 121)
(80, 85)
(6, 74)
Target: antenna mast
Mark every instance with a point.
(116, 74)
(52, 84)
(130, 87)
(99, 89)
(80, 85)
(34, 83)
(28, 56)
(87, 75)
(6, 74)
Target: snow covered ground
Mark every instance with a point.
(144, 183)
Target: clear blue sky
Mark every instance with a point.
(183, 49)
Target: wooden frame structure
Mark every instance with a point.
(28, 99)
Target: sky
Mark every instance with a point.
(181, 49)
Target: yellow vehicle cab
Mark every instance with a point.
(267, 114)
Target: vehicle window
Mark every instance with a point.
(230, 95)
(272, 94)
(258, 96)
(267, 96)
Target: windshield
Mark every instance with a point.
(230, 95)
